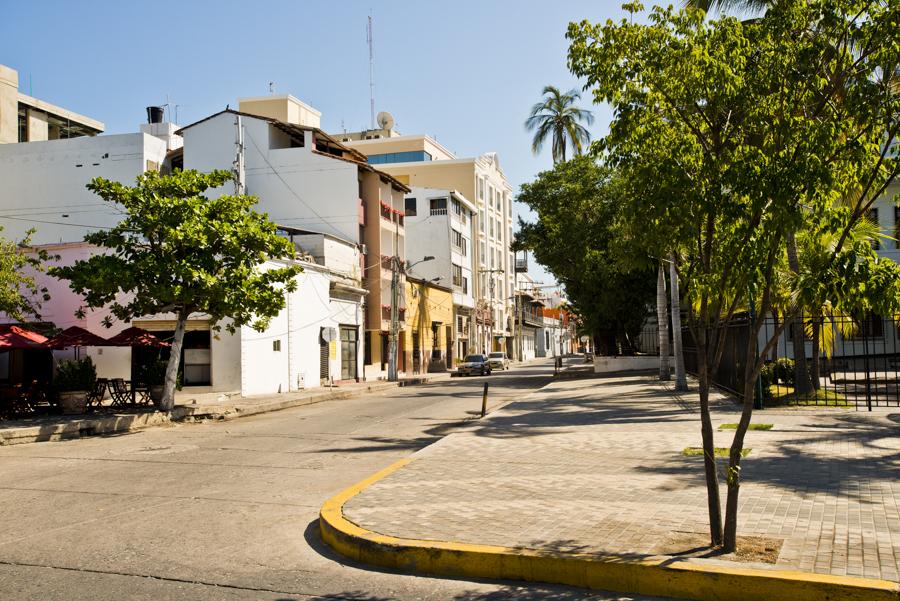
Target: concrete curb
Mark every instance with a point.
(637, 574)
(131, 422)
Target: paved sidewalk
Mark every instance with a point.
(188, 407)
(595, 465)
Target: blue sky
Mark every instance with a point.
(465, 72)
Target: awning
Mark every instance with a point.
(76, 336)
(17, 337)
(136, 337)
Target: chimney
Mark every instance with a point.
(154, 114)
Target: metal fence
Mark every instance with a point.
(855, 363)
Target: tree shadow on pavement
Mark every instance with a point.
(807, 462)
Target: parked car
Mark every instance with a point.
(474, 364)
(498, 361)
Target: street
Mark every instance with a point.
(228, 510)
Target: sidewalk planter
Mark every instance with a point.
(73, 381)
(73, 401)
(156, 393)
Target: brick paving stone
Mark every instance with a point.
(596, 466)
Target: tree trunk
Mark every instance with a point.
(680, 377)
(701, 332)
(816, 368)
(801, 373)
(167, 403)
(709, 452)
(662, 320)
(733, 473)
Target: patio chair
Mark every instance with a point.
(95, 396)
(118, 391)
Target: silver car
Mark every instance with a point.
(474, 364)
(498, 361)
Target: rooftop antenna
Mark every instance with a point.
(271, 87)
(370, 38)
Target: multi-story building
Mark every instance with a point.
(27, 119)
(441, 224)
(421, 161)
(306, 179)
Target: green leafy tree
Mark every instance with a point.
(20, 295)
(735, 138)
(556, 117)
(178, 251)
(575, 238)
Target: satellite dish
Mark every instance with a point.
(385, 120)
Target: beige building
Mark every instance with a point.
(27, 119)
(420, 161)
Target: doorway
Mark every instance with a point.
(349, 352)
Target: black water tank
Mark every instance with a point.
(154, 114)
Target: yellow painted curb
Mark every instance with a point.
(637, 574)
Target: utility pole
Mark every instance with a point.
(238, 166)
(395, 321)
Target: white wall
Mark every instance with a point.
(298, 326)
(296, 186)
(42, 185)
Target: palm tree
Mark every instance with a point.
(557, 116)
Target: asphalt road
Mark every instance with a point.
(228, 510)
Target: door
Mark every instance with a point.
(349, 352)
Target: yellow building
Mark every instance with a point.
(27, 119)
(428, 339)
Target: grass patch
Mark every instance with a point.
(720, 452)
(751, 427)
(779, 394)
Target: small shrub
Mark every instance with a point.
(750, 427)
(784, 371)
(75, 375)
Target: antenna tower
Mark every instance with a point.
(370, 38)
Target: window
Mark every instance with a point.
(491, 197)
(456, 238)
(276, 346)
(897, 228)
(457, 208)
(480, 188)
(457, 275)
(482, 256)
(492, 226)
(872, 215)
(412, 156)
(438, 206)
(410, 207)
(868, 326)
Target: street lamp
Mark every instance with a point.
(396, 268)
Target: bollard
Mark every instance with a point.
(484, 400)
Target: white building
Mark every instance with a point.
(306, 179)
(43, 184)
(440, 223)
(549, 338)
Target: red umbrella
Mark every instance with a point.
(16, 337)
(76, 336)
(136, 337)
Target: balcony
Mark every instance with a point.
(386, 313)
